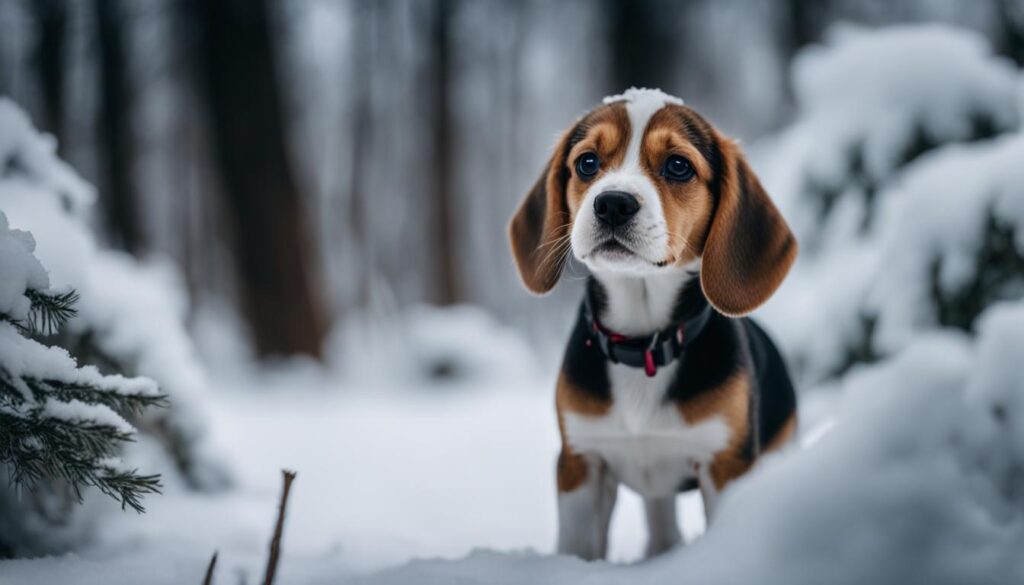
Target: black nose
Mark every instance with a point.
(614, 208)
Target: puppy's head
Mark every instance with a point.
(643, 184)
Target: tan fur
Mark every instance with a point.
(749, 248)
(540, 227)
(539, 231)
(607, 135)
(572, 468)
(730, 464)
(568, 398)
(731, 401)
(687, 206)
(571, 471)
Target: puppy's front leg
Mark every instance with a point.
(586, 498)
(708, 491)
(662, 526)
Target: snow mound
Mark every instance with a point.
(901, 180)
(877, 89)
(872, 100)
(948, 242)
(946, 234)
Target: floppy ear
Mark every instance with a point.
(539, 231)
(749, 248)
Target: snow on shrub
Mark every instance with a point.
(946, 228)
(131, 314)
(949, 243)
(871, 101)
(61, 425)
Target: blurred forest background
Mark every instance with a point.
(216, 183)
(309, 161)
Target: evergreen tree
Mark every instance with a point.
(59, 421)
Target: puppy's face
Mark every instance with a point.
(639, 192)
(644, 184)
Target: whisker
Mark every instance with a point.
(556, 253)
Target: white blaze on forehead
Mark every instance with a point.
(648, 234)
(641, 104)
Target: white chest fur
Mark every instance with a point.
(644, 439)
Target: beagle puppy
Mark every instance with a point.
(664, 387)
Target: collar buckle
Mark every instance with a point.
(650, 368)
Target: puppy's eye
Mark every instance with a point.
(677, 168)
(587, 165)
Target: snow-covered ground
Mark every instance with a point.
(384, 476)
(920, 479)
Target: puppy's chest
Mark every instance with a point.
(643, 437)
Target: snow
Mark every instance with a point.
(462, 345)
(25, 152)
(383, 477)
(872, 96)
(21, 270)
(869, 89)
(935, 215)
(23, 357)
(644, 97)
(76, 411)
(863, 280)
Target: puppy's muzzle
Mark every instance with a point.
(615, 208)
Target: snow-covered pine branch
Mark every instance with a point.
(132, 313)
(58, 420)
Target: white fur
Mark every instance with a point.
(638, 305)
(585, 513)
(645, 441)
(708, 492)
(662, 527)
(649, 234)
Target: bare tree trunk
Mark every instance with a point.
(116, 131)
(363, 52)
(804, 24)
(235, 62)
(643, 44)
(51, 18)
(448, 290)
(1010, 33)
